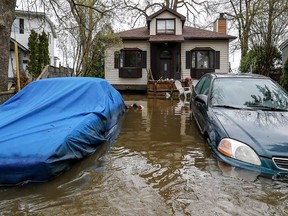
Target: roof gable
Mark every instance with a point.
(165, 9)
(181, 17)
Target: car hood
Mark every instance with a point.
(265, 131)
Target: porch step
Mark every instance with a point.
(162, 89)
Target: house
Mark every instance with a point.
(284, 49)
(167, 49)
(24, 22)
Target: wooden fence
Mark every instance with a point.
(51, 71)
(48, 72)
(6, 95)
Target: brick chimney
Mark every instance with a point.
(220, 24)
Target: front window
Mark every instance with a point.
(166, 26)
(248, 92)
(130, 62)
(131, 58)
(203, 59)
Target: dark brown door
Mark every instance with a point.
(164, 60)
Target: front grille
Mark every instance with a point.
(281, 163)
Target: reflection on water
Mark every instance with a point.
(158, 165)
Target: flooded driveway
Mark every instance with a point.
(158, 165)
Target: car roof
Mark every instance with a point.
(238, 75)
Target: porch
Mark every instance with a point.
(164, 89)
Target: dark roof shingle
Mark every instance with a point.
(189, 33)
(166, 38)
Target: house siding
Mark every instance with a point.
(284, 55)
(221, 46)
(166, 15)
(112, 74)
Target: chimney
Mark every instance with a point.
(220, 24)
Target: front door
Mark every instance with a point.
(165, 71)
(165, 60)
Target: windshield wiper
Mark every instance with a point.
(268, 108)
(227, 106)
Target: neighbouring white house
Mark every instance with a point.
(24, 22)
(284, 49)
(169, 49)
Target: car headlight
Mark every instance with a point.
(239, 151)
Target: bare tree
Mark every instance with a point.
(267, 31)
(139, 10)
(242, 14)
(260, 25)
(7, 13)
(88, 16)
(78, 21)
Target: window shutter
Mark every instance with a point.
(217, 60)
(144, 59)
(116, 59)
(188, 59)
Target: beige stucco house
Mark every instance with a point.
(169, 49)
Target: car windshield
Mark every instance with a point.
(254, 93)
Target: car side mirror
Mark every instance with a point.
(201, 98)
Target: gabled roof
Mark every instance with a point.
(182, 18)
(189, 33)
(164, 9)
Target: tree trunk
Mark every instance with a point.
(7, 16)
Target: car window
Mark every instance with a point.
(206, 86)
(203, 85)
(199, 84)
(248, 92)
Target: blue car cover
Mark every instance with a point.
(53, 122)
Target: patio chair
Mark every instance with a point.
(182, 90)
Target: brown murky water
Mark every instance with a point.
(158, 165)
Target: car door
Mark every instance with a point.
(200, 109)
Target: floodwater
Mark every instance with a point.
(158, 165)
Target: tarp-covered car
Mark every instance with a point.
(54, 122)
